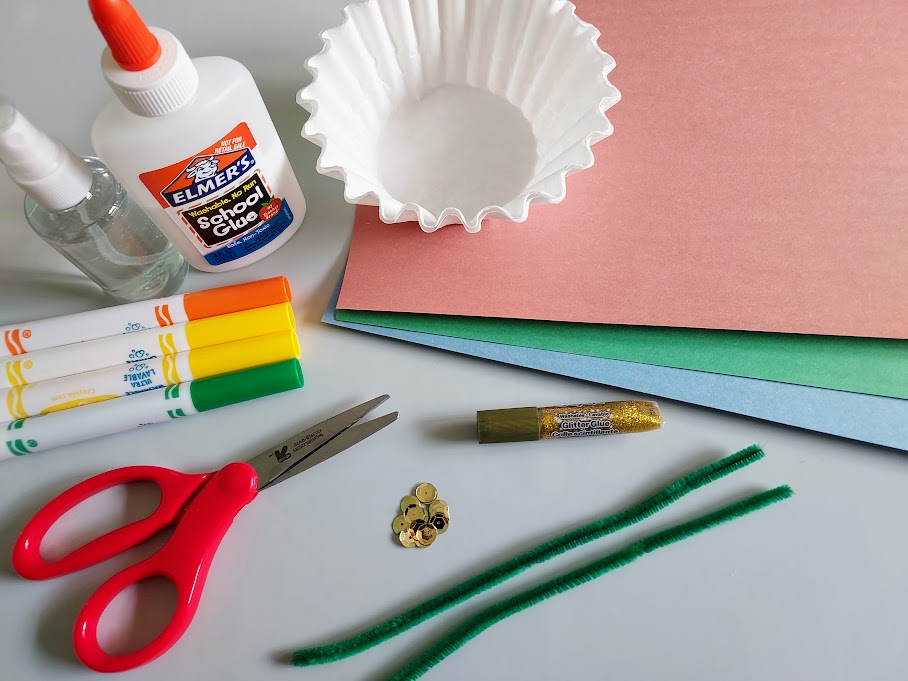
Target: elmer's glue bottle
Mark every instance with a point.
(194, 145)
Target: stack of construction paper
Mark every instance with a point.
(741, 242)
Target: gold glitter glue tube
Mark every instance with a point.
(544, 423)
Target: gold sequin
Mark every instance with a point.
(407, 538)
(440, 523)
(425, 535)
(426, 492)
(407, 502)
(400, 524)
(414, 513)
(439, 506)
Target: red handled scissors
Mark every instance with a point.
(202, 507)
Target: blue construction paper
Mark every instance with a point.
(869, 418)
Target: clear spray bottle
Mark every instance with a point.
(78, 207)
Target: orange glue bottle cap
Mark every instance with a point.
(146, 67)
(132, 45)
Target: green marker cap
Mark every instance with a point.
(248, 384)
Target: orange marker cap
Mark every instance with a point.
(131, 44)
(236, 298)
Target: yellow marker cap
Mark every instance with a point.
(227, 328)
(243, 354)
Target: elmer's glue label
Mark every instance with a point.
(221, 198)
(193, 143)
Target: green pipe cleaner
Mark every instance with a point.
(557, 546)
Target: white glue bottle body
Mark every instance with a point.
(193, 143)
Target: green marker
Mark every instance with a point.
(38, 433)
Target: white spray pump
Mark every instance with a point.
(79, 208)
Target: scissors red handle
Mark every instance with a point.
(185, 559)
(176, 491)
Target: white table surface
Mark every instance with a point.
(813, 588)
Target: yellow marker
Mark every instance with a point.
(141, 346)
(104, 384)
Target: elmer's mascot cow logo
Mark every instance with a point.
(204, 169)
(206, 175)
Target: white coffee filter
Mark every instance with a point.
(452, 111)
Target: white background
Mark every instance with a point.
(813, 588)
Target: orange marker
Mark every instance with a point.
(19, 339)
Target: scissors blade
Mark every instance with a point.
(345, 440)
(274, 461)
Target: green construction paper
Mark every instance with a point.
(875, 366)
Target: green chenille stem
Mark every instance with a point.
(496, 575)
(527, 599)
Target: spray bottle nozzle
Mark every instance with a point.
(47, 170)
(131, 44)
(27, 153)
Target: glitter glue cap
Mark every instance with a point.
(520, 424)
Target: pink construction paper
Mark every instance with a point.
(757, 179)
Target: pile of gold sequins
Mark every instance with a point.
(424, 516)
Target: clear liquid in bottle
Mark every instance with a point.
(111, 240)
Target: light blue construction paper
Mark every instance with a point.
(869, 418)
